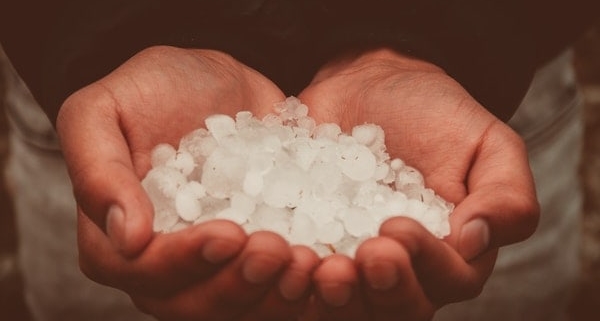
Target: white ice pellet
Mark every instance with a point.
(365, 134)
(303, 153)
(396, 164)
(242, 203)
(327, 131)
(331, 232)
(272, 120)
(312, 184)
(301, 109)
(356, 162)
(348, 245)
(161, 153)
(181, 161)
(302, 230)
(223, 173)
(164, 220)
(180, 225)
(415, 209)
(199, 143)
(358, 222)
(163, 182)
(284, 186)
(187, 201)
(212, 205)
(253, 183)
(306, 123)
(232, 214)
(271, 143)
(382, 171)
(319, 211)
(272, 219)
(325, 178)
(243, 119)
(397, 203)
(220, 126)
(409, 175)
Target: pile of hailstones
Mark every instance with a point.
(311, 184)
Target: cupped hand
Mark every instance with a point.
(465, 154)
(212, 271)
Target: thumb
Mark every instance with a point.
(502, 206)
(104, 179)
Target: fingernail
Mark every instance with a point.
(381, 275)
(293, 286)
(474, 239)
(259, 269)
(116, 226)
(336, 294)
(219, 251)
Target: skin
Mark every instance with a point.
(466, 155)
(219, 273)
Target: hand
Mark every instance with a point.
(465, 154)
(213, 271)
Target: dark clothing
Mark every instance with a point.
(491, 47)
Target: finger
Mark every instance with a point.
(170, 263)
(235, 290)
(501, 207)
(337, 290)
(101, 170)
(442, 272)
(290, 297)
(390, 286)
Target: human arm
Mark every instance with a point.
(467, 155)
(211, 271)
(80, 71)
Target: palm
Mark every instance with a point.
(107, 131)
(429, 120)
(161, 95)
(465, 154)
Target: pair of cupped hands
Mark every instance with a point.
(214, 271)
